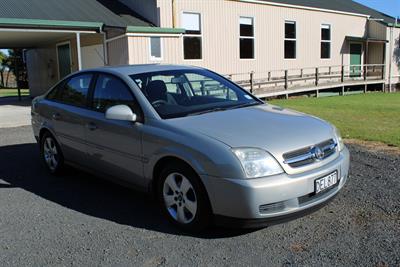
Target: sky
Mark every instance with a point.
(390, 7)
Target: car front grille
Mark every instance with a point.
(309, 155)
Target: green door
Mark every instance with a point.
(64, 60)
(355, 60)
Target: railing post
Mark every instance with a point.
(286, 79)
(383, 72)
(251, 81)
(316, 76)
(365, 70)
(342, 74)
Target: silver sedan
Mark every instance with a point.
(208, 150)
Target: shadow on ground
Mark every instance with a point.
(20, 167)
(13, 101)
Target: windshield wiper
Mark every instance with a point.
(246, 105)
(207, 111)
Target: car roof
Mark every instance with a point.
(144, 68)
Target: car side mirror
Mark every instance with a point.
(120, 113)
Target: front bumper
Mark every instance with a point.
(273, 197)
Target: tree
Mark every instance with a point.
(3, 67)
(16, 65)
(396, 52)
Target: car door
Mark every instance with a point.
(65, 115)
(114, 147)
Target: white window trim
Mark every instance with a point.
(290, 39)
(70, 57)
(161, 49)
(326, 41)
(249, 37)
(193, 35)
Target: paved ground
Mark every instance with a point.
(14, 113)
(82, 221)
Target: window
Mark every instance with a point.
(155, 48)
(56, 93)
(110, 91)
(326, 41)
(76, 90)
(290, 40)
(192, 47)
(246, 38)
(183, 92)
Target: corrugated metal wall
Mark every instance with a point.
(394, 55)
(220, 24)
(118, 52)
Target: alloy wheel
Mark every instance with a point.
(180, 198)
(50, 153)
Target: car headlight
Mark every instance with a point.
(339, 139)
(257, 162)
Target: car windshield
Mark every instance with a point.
(180, 93)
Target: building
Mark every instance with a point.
(262, 38)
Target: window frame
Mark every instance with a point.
(193, 35)
(64, 82)
(248, 37)
(139, 114)
(152, 58)
(290, 39)
(326, 41)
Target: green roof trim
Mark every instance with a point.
(141, 29)
(394, 25)
(40, 23)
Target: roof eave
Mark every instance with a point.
(50, 24)
(154, 30)
(266, 2)
(394, 25)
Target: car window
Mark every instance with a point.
(204, 86)
(55, 93)
(179, 93)
(171, 88)
(76, 90)
(110, 91)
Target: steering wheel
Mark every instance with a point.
(159, 102)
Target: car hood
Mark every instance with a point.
(271, 128)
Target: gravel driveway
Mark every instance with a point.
(81, 220)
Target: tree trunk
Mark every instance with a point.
(8, 76)
(2, 77)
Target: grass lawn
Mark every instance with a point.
(369, 117)
(13, 92)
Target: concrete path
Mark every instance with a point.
(14, 113)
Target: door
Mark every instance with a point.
(355, 59)
(114, 147)
(67, 119)
(64, 60)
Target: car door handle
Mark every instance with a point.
(56, 116)
(91, 126)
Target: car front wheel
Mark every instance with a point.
(183, 199)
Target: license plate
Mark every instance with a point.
(326, 182)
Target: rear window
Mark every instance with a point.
(73, 92)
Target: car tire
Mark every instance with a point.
(51, 154)
(184, 203)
